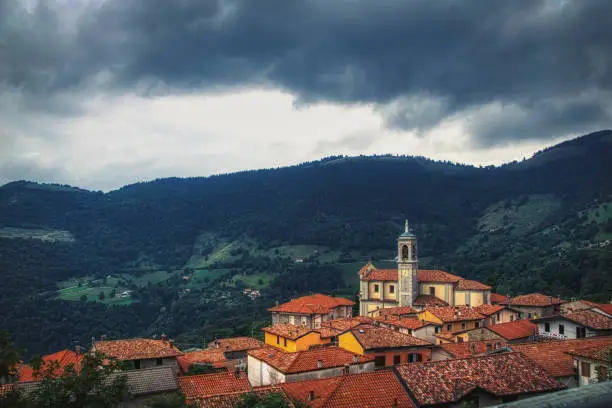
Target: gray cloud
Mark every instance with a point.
(419, 61)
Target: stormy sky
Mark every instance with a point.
(100, 93)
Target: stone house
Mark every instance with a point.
(140, 353)
(534, 305)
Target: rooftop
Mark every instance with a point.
(466, 284)
(517, 329)
(552, 355)
(381, 275)
(206, 385)
(372, 337)
(64, 358)
(455, 313)
(432, 275)
(488, 310)
(429, 300)
(367, 390)
(236, 344)
(587, 317)
(600, 352)
(137, 349)
(469, 348)
(234, 399)
(313, 304)
(406, 322)
(534, 299)
(447, 381)
(287, 330)
(215, 357)
(307, 360)
(396, 311)
(498, 298)
(335, 327)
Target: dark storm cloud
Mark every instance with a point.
(419, 61)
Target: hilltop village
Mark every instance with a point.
(422, 338)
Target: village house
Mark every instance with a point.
(387, 346)
(202, 386)
(577, 305)
(511, 332)
(377, 389)
(64, 359)
(397, 311)
(534, 305)
(466, 349)
(236, 398)
(576, 325)
(235, 348)
(420, 329)
(213, 359)
(140, 353)
(554, 357)
(497, 298)
(331, 329)
(452, 319)
(269, 365)
(476, 381)
(496, 314)
(292, 338)
(594, 363)
(311, 311)
(407, 286)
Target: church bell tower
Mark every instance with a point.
(407, 267)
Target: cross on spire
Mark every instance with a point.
(407, 230)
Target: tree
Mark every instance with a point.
(9, 357)
(175, 400)
(91, 384)
(271, 400)
(83, 298)
(101, 296)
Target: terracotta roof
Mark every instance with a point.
(215, 357)
(381, 275)
(601, 352)
(372, 337)
(367, 390)
(443, 382)
(534, 299)
(590, 318)
(606, 307)
(330, 328)
(234, 399)
(488, 310)
(469, 348)
(289, 331)
(235, 344)
(465, 284)
(137, 349)
(307, 360)
(313, 304)
(497, 298)
(517, 329)
(552, 355)
(406, 322)
(64, 358)
(455, 313)
(206, 385)
(396, 311)
(429, 300)
(428, 275)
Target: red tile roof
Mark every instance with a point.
(443, 382)
(429, 300)
(64, 358)
(552, 355)
(606, 307)
(534, 299)
(469, 348)
(590, 318)
(381, 275)
(236, 344)
(205, 385)
(330, 328)
(465, 284)
(235, 399)
(137, 349)
(497, 298)
(455, 313)
(307, 360)
(396, 311)
(367, 390)
(428, 275)
(372, 337)
(517, 329)
(406, 322)
(601, 352)
(488, 310)
(215, 357)
(287, 330)
(313, 304)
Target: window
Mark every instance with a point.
(432, 291)
(489, 347)
(277, 339)
(159, 361)
(477, 324)
(449, 327)
(413, 252)
(529, 315)
(347, 369)
(410, 332)
(285, 342)
(376, 288)
(292, 319)
(463, 325)
(414, 357)
(304, 321)
(391, 289)
(585, 369)
(511, 318)
(497, 346)
(561, 329)
(379, 361)
(397, 359)
(547, 327)
(459, 339)
(436, 329)
(580, 332)
(137, 364)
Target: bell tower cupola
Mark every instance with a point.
(407, 267)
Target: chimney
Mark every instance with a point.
(103, 337)
(277, 303)
(164, 338)
(171, 343)
(319, 363)
(77, 349)
(311, 395)
(355, 359)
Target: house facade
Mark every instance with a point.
(593, 364)
(576, 325)
(496, 314)
(311, 311)
(534, 305)
(291, 338)
(140, 353)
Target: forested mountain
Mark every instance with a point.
(540, 224)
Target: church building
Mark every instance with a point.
(409, 286)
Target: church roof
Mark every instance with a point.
(381, 275)
(313, 304)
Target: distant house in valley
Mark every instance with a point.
(311, 311)
(270, 366)
(140, 353)
(510, 332)
(576, 325)
(387, 346)
(476, 381)
(534, 305)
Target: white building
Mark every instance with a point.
(576, 325)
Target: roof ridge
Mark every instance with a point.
(338, 383)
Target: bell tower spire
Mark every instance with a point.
(407, 267)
